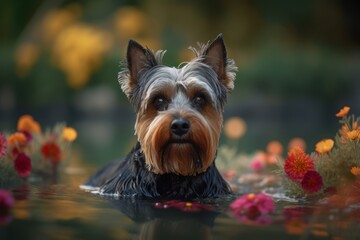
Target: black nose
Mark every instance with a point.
(180, 126)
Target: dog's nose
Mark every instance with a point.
(180, 126)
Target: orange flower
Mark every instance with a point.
(17, 138)
(324, 146)
(27, 123)
(355, 171)
(353, 135)
(297, 164)
(347, 132)
(343, 112)
(69, 134)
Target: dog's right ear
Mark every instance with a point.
(139, 59)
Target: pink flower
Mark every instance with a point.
(257, 164)
(3, 145)
(183, 206)
(6, 203)
(312, 182)
(22, 165)
(252, 207)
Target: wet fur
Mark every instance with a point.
(131, 178)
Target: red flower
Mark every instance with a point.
(6, 203)
(184, 206)
(297, 164)
(51, 151)
(3, 145)
(28, 135)
(22, 165)
(312, 182)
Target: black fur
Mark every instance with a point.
(130, 177)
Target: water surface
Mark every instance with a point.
(61, 210)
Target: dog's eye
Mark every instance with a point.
(160, 103)
(199, 101)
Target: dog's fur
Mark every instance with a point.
(178, 124)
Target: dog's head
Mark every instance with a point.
(179, 110)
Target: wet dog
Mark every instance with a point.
(178, 124)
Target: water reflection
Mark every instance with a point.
(165, 223)
(46, 210)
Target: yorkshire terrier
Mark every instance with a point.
(178, 124)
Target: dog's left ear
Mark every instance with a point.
(216, 57)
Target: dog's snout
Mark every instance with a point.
(180, 126)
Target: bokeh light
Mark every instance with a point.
(275, 148)
(297, 142)
(235, 128)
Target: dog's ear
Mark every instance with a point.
(139, 59)
(215, 56)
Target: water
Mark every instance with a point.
(61, 210)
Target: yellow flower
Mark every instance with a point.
(355, 171)
(57, 20)
(27, 123)
(79, 50)
(324, 146)
(343, 112)
(17, 138)
(353, 135)
(69, 134)
(129, 22)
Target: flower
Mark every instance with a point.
(343, 112)
(324, 146)
(17, 138)
(349, 131)
(252, 206)
(51, 151)
(69, 134)
(6, 204)
(312, 182)
(28, 135)
(353, 135)
(355, 171)
(22, 165)
(184, 206)
(27, 123)
(297, 164)
(3, 145)
(257, 164)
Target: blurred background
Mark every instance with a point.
(299, 63)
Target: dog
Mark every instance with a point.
(179, 118)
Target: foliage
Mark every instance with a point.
(337, 165)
